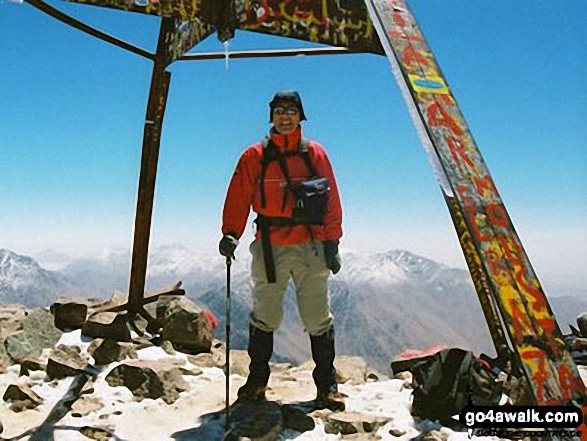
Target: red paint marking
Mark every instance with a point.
(539, 303)
(401, 35)
(571, 385)
(485, 183)
(413, 57)
(398, 19)
(439, 117)
(583, 426)
(539, 376)
(498, 215)
(457, 149)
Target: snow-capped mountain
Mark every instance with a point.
(384, 303)
(23, 280)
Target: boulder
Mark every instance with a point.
(69, 314)
(111, 325)
(22, 397)
(66, 361)
(149, 379)
(37, 332)
(108, 351)
(296, 419)
(184, 324)
(350, 369)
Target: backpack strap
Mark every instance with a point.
(271, 153)
(303, 150)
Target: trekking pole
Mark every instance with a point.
(227, 369)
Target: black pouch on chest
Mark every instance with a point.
(311, 200)
(311, 195)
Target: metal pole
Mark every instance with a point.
(268, 53)
(150, 155)
(227, 370)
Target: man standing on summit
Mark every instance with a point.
(289, 183)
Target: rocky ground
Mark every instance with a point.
(67, 385)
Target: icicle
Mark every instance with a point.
(226, 55)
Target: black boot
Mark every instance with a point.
(324, 373)
(260, 351)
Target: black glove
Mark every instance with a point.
(227, 245)
(331, 254)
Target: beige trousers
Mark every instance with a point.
(306, 265)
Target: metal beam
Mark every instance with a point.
(149, 158)
(268, 53)
(55, 13)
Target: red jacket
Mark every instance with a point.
(244, 191)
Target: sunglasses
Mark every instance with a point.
(282, 110)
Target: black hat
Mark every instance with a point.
(291, 96)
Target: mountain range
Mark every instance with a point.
(383, 303)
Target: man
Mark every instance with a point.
(297, 237)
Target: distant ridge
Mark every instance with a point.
(384, 303)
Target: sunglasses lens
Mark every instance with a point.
(280, 110)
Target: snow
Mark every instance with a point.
(154, 420)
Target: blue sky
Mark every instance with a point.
(72, 111)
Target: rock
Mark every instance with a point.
(336, 425)
(239, 363)
(375, 375)
(85, 405)
(347, 423)
(27, 365)
(397, 432)
(111, 325)
(194, 372)
(117, 298)
(433, 435)
(108, 351)
(5, 359)
(37, 333)
(11, 317)
(351, 369)
(296, 419)
(97, 433)
(69, 314)
(66, 361)
(404, 375)
(22, 397)
(184, 324)
(202, 360)
(149, 379)
(255, 421)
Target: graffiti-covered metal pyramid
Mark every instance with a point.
(517, 310)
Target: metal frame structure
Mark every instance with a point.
(519, 317)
